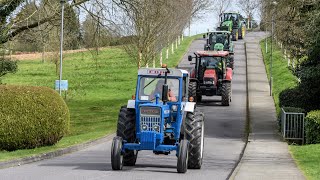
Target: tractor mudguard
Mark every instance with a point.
(131, 104)
(228, 74)
(192, 73)
(194, 80)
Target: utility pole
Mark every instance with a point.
(61, 43)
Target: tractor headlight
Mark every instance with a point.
(156, 128)
(174, 108)
(208, 82)
(144, 127)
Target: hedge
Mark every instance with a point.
(31, 117)
(312, 127)
(306, 94)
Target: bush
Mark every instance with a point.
(312, 127)
(31, 117)
(306, 95)
(7, 66)
(291, 98)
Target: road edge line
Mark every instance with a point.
(56, 153)
(236, 168)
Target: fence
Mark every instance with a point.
(292, 125)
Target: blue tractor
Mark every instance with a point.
(160, 118)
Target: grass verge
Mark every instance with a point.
(97, 89)
(307, 157)
(281, 75)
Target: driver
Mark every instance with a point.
(158, 90)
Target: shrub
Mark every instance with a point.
(312, 127)
(306, 95)
(31, 117)
(7, 66)
(291, 98)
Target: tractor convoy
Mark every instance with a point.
(162, 116)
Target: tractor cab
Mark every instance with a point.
(211, 74)
(153, 120)
(233, 22)
(219, 41)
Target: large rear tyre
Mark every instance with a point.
(182, 164)
(194, 132)
(126, 130)
(193, 92)
(116, 155)
(226, 93)
(240, 31)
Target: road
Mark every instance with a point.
(224, 141)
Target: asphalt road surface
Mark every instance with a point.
(224, 141)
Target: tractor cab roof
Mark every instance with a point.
(157, 71)
(220, 32)
(213, 53)
(231, 12)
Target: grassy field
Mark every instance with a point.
(282, 76)
(97, 90)
(307, 157)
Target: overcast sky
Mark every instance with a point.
(209, 21)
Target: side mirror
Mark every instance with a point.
(189, 58)
(204, 36)
(165, 91)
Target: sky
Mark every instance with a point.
(209, 21)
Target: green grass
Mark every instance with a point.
(282, 76)
(308, 159)
(97, 90)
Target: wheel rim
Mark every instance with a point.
(202, 139)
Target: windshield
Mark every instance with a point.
(150, 86)
(208, 61)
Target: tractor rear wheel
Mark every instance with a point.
(193, 92)
(126, 130)
(194, 132)
(116, 155)
(226, 93)
(182, 164)
(240, 33)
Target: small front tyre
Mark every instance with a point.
(116, 153)
(182, 164)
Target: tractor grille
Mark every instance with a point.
(150, 122)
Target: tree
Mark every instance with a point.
(152, 24)
(248, 7)
(12, 25)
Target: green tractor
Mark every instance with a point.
(220, 41)
(233, 22)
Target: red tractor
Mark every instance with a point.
(210, 76)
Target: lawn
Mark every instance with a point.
(97, 90)
(282, 76)
(307, 157)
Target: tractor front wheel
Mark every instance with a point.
(126, 130)
(193, 92)
(226, 93)
(116, 154)
(194, 132)
(182, 164)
